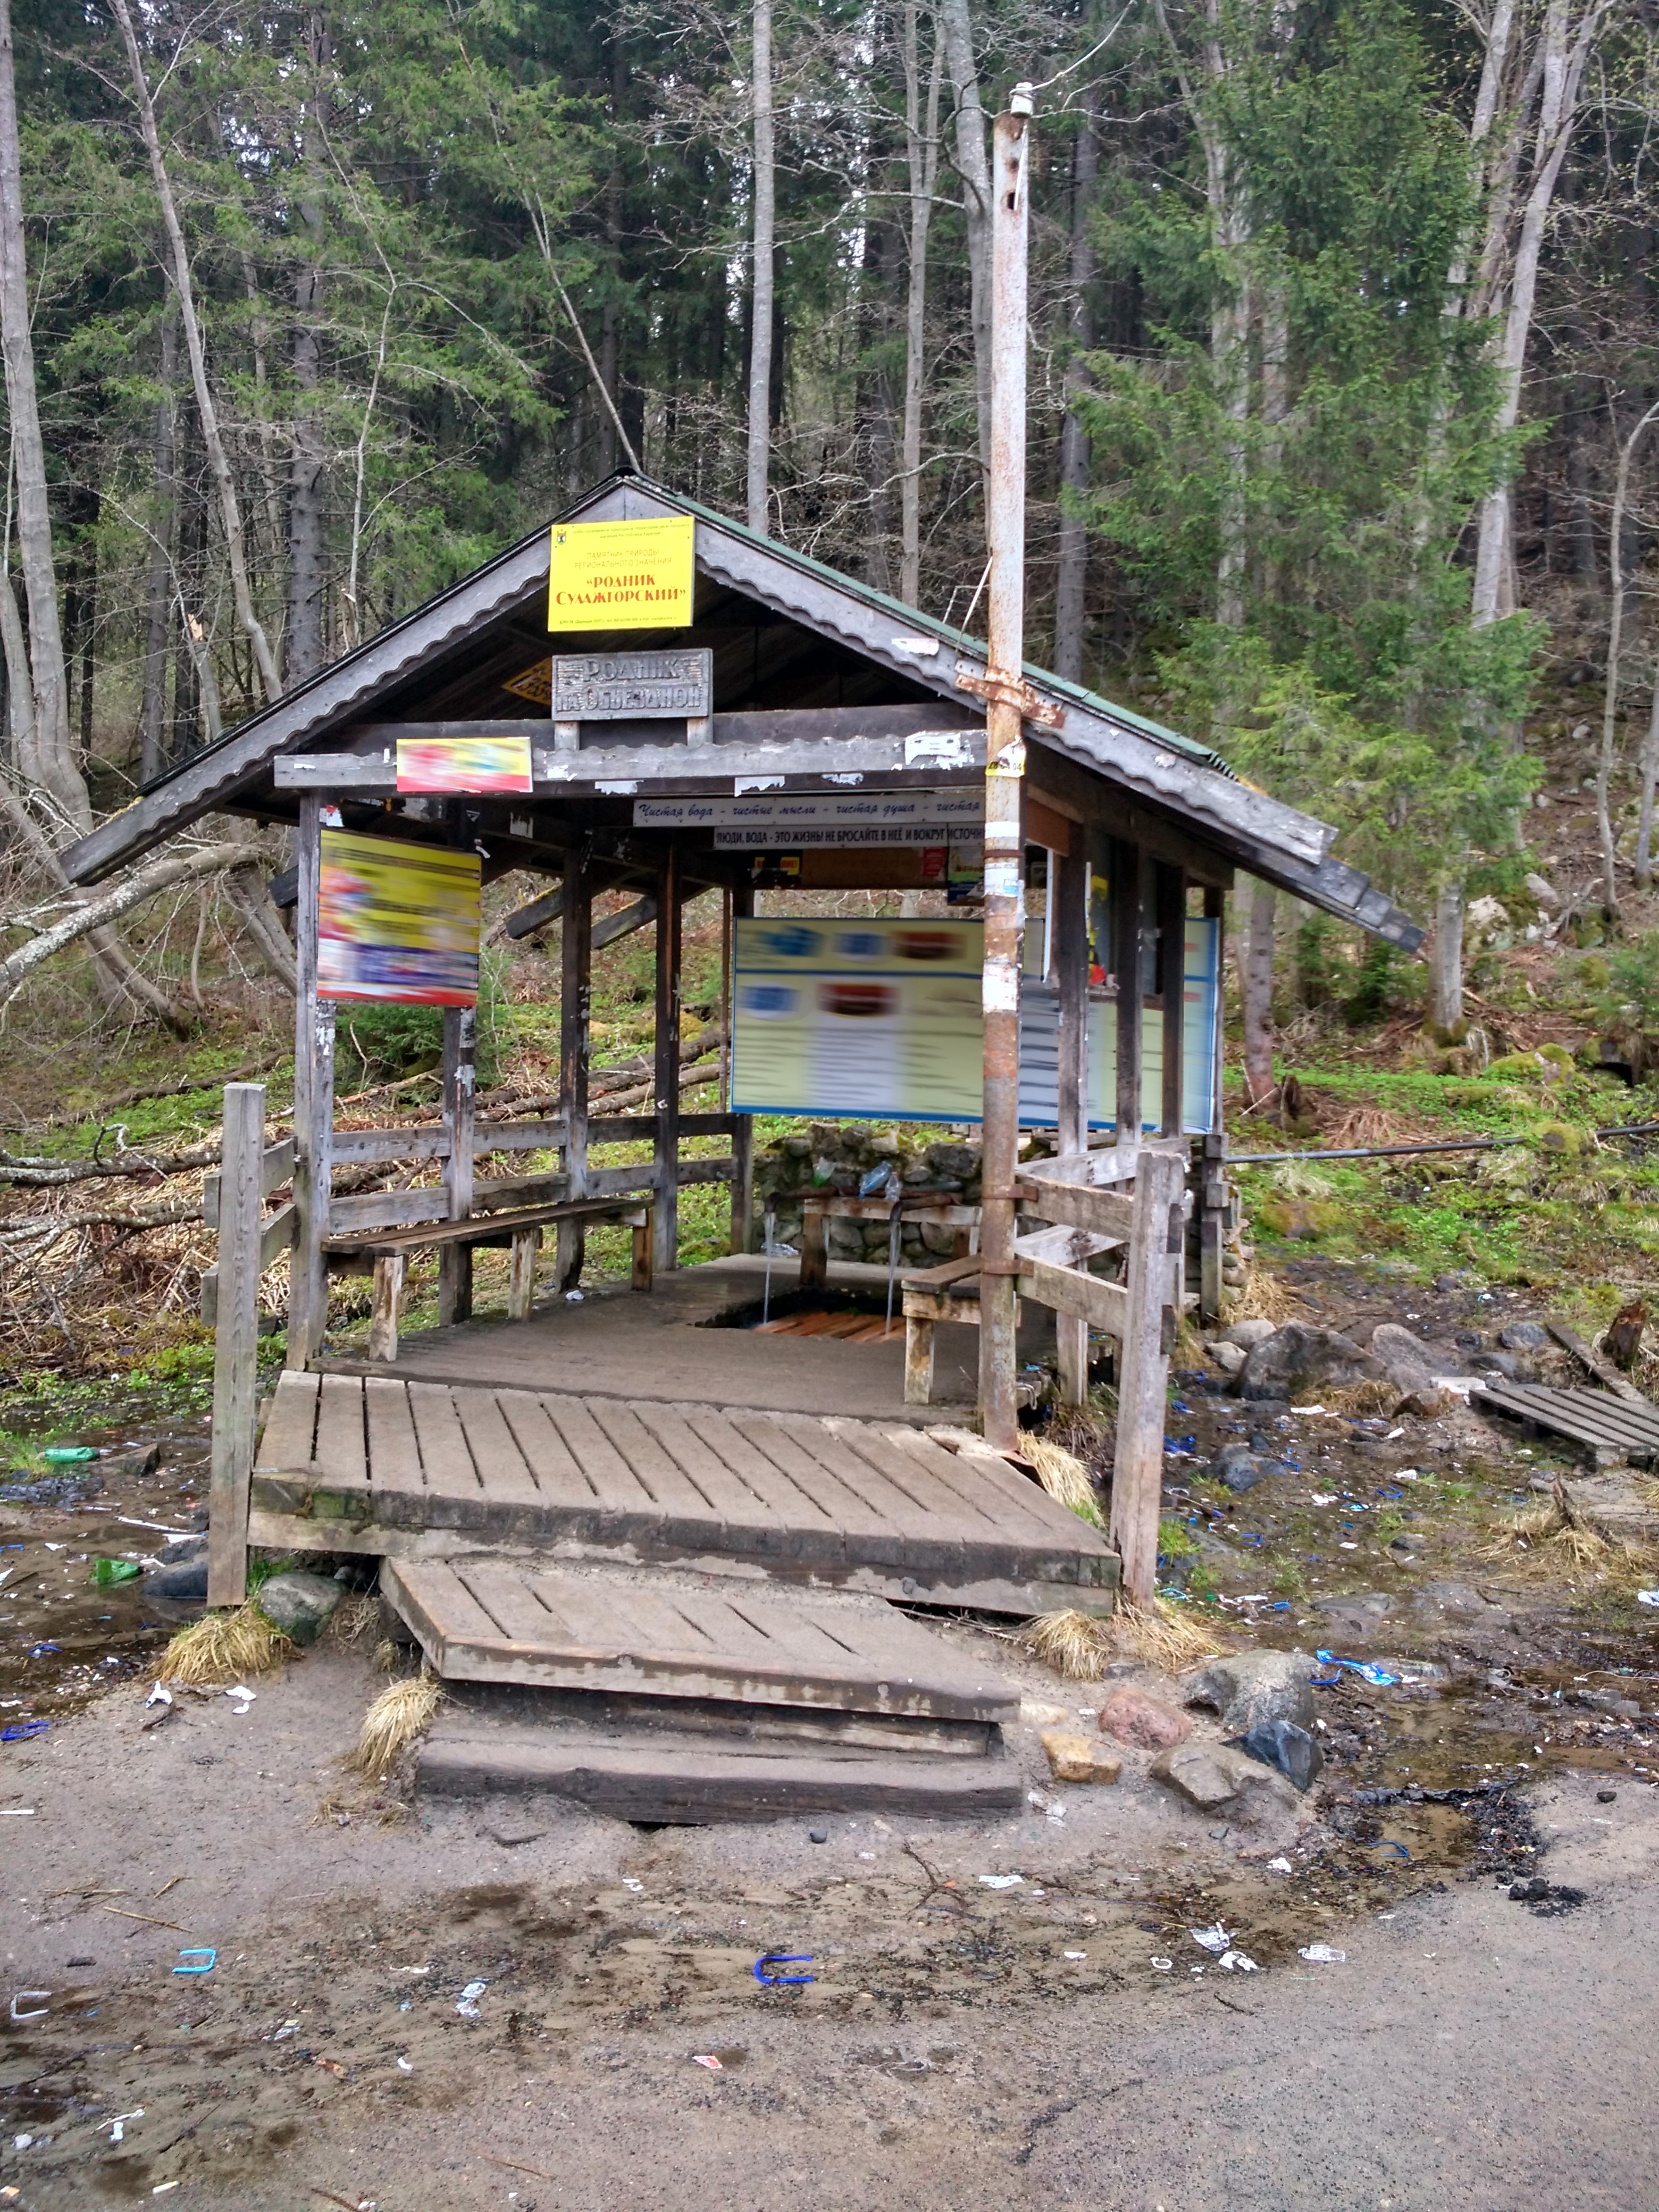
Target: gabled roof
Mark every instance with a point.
(493, 619)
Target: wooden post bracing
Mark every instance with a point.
(669, 923)
(1005, 779)
(1143, 1369)
(1212, 1172)
(1131, 870)
(1172, 984)
(459, 1096)
(236, 1341)
(575, 1047)
(1069, 890)
(739, 907)
(313, 1103)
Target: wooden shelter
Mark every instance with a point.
(793, 679)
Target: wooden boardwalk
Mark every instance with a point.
(430, 1470)
(1612, 1431)
(500, 1621)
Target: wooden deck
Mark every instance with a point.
(499, 1621)
(1612, 1432)
(414, 1470)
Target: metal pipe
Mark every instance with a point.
(1005, 772)
(1451, 1144)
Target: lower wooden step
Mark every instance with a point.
(505, 1621)
(684, 1781)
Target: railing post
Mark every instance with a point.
(1149, 1338)
(236, 1341)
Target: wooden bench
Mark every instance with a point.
(521, 1228)
(941, 1206)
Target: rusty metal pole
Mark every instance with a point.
(1005, 770)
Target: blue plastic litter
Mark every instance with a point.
(201, 1951)
(18, 1730)
(783, 1959)
(1367, 1669)
(40, 1651)
(1387, 1844)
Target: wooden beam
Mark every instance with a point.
(1065, 787)
(1096, 1303)
(1069, 889)
(1172, 985)
(1131, 883)
(1213, 1201)
(460, 1098)
(667, 1054)
(235, 1343)
(1078, 1205)
(740, 907)
(313, 1104)
(575, 1014)
(1143, 1370)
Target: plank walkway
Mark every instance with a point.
(503, 1621)
(1612, 1431)
(411, 1469)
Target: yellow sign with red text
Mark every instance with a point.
(622, 575)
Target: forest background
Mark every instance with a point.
(1342, 444)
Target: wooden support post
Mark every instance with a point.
(1212, 1172)
(521, 1279)
(919, 1359)
(236, 1341)
(1143, 1371)
(667, 1213)
(313, 1104)
(460, 1090)
(387, 1305)
(1068, 892)
(814, 1251)
(643, 1252)
(576, 1046)
(1172, 984)
(1131, 870)
(739, 907)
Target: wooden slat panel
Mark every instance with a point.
(383, 1209)
(341, 1446)
(451, 1477)
(502, 1472)
(749, 1524)
(614, 1481)
(380, 1147)
(439, 1607)
(688, 1515)
(984, 1548)
(394, 1451)
(815, 1536)
(287, 1442)
(1105, 1306)
(883, 1526)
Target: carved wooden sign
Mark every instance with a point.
(609, 687)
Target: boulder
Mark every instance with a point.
(1229, 1357)
(1290, 1750)
(181, 1575)
(1357, 1617)
(1299, 1357)
(1508, 1364)
(1298, 1217)
(1216, 1779)
(1409, 1365)
(1079, 1758)
(1134, 1717)
(1250, 1688)
(1238, 1467)
(1246, 1335)
(1034, 1713)
(1524, 1336)
(302, 1605)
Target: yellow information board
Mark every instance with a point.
(622, 575)
(397, 921)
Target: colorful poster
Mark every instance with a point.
(881, 1020)
(397, 921)
(622, 575)
(464, 765)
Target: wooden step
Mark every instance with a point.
(684, 1779)
(512, 1621)
(425, 1470)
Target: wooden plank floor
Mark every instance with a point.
(504, 1620)
(429, 1470)
(1612, 1431)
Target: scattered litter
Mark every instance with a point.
(241, 1690)
(1000, 1881)
(1162, 1966)
(21, 2143)
(60, 1454)
(39, 2012)
(1074, 1954)
(107, 1572)
(707, 2058)
(40, 1651)
(573, 1298)
(403, 2066)
(1321, 1955)
(1387, 1844)
(468, 2005)
(767, 1959)
(1281, 1866)
(288, 2028)
(159, 1694)
(1367, 1669)
(1211, 1939)
(117, 2126)
(408, 1969)
(629, 1881)
(162, 2187)
(1647, 1597)
(1239, 1962)
(200, 1951)
(16, 1811)
(1323, 1497)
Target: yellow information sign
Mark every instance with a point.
(622, 575)
(397, 921)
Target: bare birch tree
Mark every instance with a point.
(763, 238)
(922, 157)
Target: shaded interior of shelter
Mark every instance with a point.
(691, 1341)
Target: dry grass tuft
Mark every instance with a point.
(1078, 1647)
(1301, 1179)
(1547, 1541)
(1266, 1296)
(1361, 1399)
(1362, 1126)
(356, 1617)
(1064, 1477)
(402, 1713)
(388, 1656)
(224, 1647)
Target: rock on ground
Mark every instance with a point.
(1409, 1365)
(1079, 1758)
(1135, 1718)
(300, 1605)
(1216, 1779)
(1289, 1749)
(1251, 1689)
(1246, 1335)
(1299, 1357)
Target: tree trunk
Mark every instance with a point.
(760, 285)
(159, 592)
(1650, 777)
(1257, 985)
(218, 459)
(305, 652)
(55, 764)
(1615, 646)
(1446, 966)
(921, 151)
(973, 168)
(1071, 577)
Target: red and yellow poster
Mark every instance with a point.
(464, 765)
(397, 921)
(622, 575)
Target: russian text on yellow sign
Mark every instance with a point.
(622, 575)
